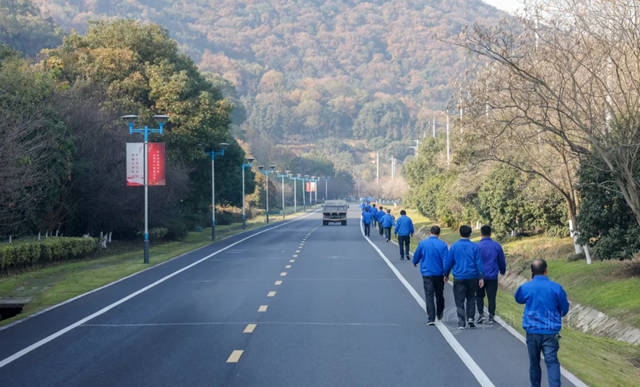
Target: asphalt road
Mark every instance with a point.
(291, 304)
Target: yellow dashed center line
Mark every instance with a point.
(235, 356)
(263, 308)
(288, 267)
(250, 328)
(283, 274)
(292, 260)
(278, 283)
(271, 294)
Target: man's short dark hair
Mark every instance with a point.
(403, 212)
(485, 230)
(435, 230)
(538, 267)
(465, 231)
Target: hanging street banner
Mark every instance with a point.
(135, 164)
(310, 186)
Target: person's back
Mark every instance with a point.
(404, 225)
(545, 305)
(464, 260)
(366, 217)
(432, 254)
(387, 220)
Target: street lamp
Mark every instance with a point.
(295, 192)
(326, 184)
(145, 131)
(213, 154)
(305, 178)
(247, 164)
(282, 176)
(266, 173)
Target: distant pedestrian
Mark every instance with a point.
(387, 223)
(466, 265)
(545, 305)
(432, 254)
(366, 221)
(379, 217)
(493, 262)
(404, 230)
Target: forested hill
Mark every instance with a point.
(308, 69)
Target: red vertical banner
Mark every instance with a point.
(156, 163)
(135, 164)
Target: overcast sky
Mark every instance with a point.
(505, 5)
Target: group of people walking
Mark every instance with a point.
(475, 268)
(402, 227)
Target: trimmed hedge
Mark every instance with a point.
(24, 254)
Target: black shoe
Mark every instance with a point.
(491, 320)
(439, 317)
(471, 323)
(430, 323)
(480, 320)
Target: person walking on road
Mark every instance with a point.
(404, 231)
(366, 221)
(379, 217)
(432, 254)
(387, 223)
(545, 305)
(466, 265)
(493, 262)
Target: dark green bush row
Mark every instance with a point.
(24, 254)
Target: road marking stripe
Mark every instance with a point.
(235, 356)
(271, 294)
(263, 308)
(278, 283)
(283, 274)
(250, 328)
(287, 267)
(475, 369)
(292, 260)
(121, 301)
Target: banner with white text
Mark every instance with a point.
(135, 164)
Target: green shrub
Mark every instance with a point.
(24, 254)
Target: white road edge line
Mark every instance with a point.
(468, 361)
(102, 311)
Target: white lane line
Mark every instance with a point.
(250, 328)
(121, 301)
(271, 293)
(468, 361)
(263, 308)
(235, 356)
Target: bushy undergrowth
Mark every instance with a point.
(24, 254)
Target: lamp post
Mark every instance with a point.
(282, 176)
(213, 154)
(246, 164)
(326, 184)
(295, 192)
(145, 132)
(304, 187)
(312, 191)
(266, 173)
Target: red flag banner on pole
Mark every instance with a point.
(156, 164)
(135, 164)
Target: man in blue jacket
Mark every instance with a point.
(387, 222)
(404, 231)
(431, 254)
(464, 259)
(493, 262)
(545, 305)
(366, 220)
(379, 217)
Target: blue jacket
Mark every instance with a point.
(545, 305)
(464, 259)
(366, 217)
(404, 226)
(379, 215)
(432, 253)
(493, 260)
(387, 221)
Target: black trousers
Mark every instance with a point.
(434, 288)
(464, 293)
(387, 233)
(367, 228)
(404, 241)
(490, 289)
